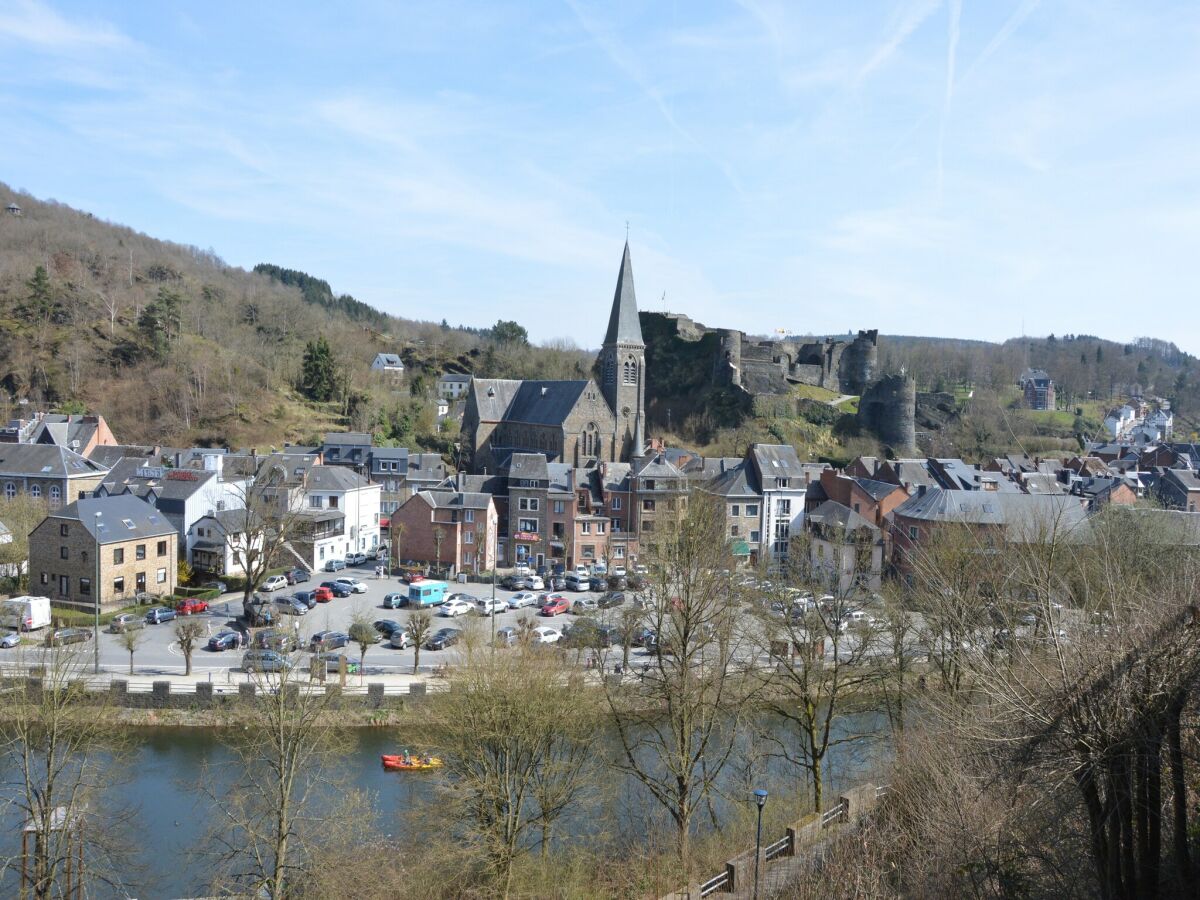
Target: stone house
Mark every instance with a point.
(1180, 489)
(103, 550)
(736, 485)
(451, 530)
(659, 498)
(528, 494)
(47, 471)
(615, 483)
(1099, 492)
(873, 500)
(846, 550)
(452, 386)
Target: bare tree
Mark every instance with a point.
(270, 816)
(420, 627)
(59, 755)
(189, 634)
(270, 517)
(517, 736)
(130, 639)
(677, 726)
(362, 632)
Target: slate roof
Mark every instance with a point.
(623, 324)
(123, 476)
(530, 466)
(836, 515)
(1042, 483)
(913, 473)
(45, 460)
(735, 481)
(61, 429)
(876, 489)
(656, 466)
(776, 461)
(615, 476)
(389, 359)
(559, 475)
(1187, 479)
(493, 396)
(544, 402)
(122, 518)
(334, 478)
(1027, 514)
(455, 499)
(453, 378)
(108, 455)
(425, 467)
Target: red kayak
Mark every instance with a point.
(394, 762)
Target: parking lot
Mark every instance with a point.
(158, 652)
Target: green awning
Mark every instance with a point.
(740, 548)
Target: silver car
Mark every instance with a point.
(126, 622)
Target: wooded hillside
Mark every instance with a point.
(175, 347)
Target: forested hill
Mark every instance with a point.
(175, 347)
(1082, 366)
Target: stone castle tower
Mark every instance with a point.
(623, 367)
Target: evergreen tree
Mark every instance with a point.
(504, 332)
(40, 301)
(161, 320)
(318, 373)
(1099, 355)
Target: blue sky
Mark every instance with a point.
(946, 168)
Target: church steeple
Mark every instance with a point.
(623, 324)
(623, 365)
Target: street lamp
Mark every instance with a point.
(495, 563)
(96, 598)
(760, 797)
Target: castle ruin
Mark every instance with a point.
(770, 367)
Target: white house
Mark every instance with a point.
(216, 543)
(342, 492)
(183, 495)
(1121, 421)
(784, 483)
(451, 387)
(387, 363)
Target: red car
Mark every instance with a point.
(322, 595)
(190, 606)
(555, 607)
(413, 578)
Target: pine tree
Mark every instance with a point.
(318, 374)
(41, 299)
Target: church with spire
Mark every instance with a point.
(580, 423)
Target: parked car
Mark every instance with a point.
(455, 607)
(582, 571)
(290, 606)
(516, 583)
(328, 640)
(356, 559)
(618, 572)
(335, 565)
(536, 583)
(401, 639)
(126, 622)
(333, 663)
(10, 640)
(353, 584)
(387, 627)
(489, 606)
(189, 606)
(275, 639)
(611, 599)
(616, 582)
(643, 637)
(297, 575)
(522, 599)
(337, 587)
(274, 583)
(585, 605)
(219, 586)
(58, 637)
(596, 583)
(159, 614)
(308, 598)
(224, 640)
(555, 607)
(577, 582)
(323, 594)
(522, 568)
(395, 600)
(443, 638)
(556, 582)
(265, 661)
(543, 634)
(507, 636)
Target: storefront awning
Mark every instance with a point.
(739, 548)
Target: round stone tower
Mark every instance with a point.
(727, 368)
(856, 368)
(888, 409)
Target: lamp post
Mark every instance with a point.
(96, 599)
(760, 797)
(495, 563)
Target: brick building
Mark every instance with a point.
(454, 530)
(124, 541)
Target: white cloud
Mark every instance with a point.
(34, 23)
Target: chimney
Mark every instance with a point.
(920, 490)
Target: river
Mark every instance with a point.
(168, 817)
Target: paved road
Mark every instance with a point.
(159, 653)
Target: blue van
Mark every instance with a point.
(427, 593)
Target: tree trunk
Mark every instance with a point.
(187, 662)
(1183, 862)
(130, 662)
(1086, 782)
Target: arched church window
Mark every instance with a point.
(610, 370)
(630, 372)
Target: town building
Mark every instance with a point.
(783, 481)
(79, 433)
(387, 364)
(333, 493)
(447, 531)
(48, 472)
(1179, 489)
(103, 550)
(576, 422)
(452, 386)
(845, 549)
(217, 543)
(1038, 389)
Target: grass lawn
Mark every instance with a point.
(809, 392)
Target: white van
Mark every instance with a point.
(25, 613)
